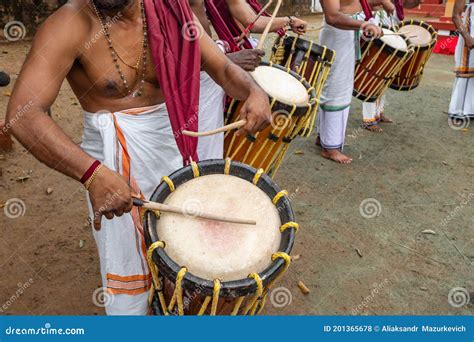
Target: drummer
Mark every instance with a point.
(128, 142)
(339, 34)
(462, 100)
(373, 112)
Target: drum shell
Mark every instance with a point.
(266, 148)
(410, 75)
(198, 288)
(298, 48)
(373, 76)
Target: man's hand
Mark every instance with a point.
(370, 30)
(298, 26)
(110, 196)
(256, 110)
(389, 7)
(247, 59)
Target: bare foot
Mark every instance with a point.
(373, 128)
(384, 119)
(336, 156)
(318, 141)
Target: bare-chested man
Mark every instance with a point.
(339, 34)
(126, 124)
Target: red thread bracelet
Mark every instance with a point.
(90, 171)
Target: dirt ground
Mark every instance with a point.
(417, 176)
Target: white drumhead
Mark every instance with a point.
(393, 40)
(212, 249)
(281, 85)
(416, 34)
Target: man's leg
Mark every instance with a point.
(381, 111)
(370, 118)
(332, 134)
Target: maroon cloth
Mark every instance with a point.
(225, 25)
(174, 43)
(367, 10)
(399, 9)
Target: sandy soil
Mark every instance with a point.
(418, 173)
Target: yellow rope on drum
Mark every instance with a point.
(257, 176)
(215, 296)
(154, 272)
(228, 162)
(252, 304)
(195, 168)
(237, 306)
(168, 181)
(287, 259)
(288, 225)
(178, 292)
(278, 196)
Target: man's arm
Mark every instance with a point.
(237, 84)
(458, 11)
(245, 15)
(54, 50)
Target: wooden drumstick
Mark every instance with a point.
(234, 125)
(267, 28)
(182, 211)
(245, 32)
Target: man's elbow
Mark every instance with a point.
(331, 19)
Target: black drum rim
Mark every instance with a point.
(399, 53)
(232, 289)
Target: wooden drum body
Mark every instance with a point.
(381, 60)
(307, 59)
(423, 38)
(293, 103)
(206, 267)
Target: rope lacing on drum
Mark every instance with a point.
(168, 181)
(195, 168)
(157, 284)
(227, 165)
(278, 196)
(257, 176)
(288, 225)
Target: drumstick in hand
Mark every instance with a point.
(267, 28)
(235, 125)
(245, 32)
(182, 211)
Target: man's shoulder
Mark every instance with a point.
(74, 16)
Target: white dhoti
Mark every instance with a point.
(337, 92)
(211, 116)
(462, 98)
(139, 144)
